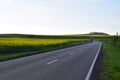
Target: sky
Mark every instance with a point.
(59, 16)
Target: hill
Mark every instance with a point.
(74, 36)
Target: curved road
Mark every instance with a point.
(65, 64)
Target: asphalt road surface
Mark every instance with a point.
(65, 64)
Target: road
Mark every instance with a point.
(65, 64)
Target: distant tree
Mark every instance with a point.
(102, 33)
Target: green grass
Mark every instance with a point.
(117, 43)
(111, 62)
(17, 55)
(11, 48)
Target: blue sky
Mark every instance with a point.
(59, 16)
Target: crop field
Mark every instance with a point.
(10, 45)
(11, 48)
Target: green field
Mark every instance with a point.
(111, 61)
(75, 36)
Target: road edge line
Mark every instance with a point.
(93, 64)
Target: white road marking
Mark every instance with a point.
(51, 62)
(93, 64)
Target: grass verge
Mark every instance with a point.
(111, 62)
